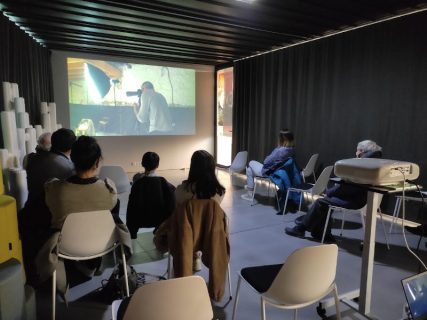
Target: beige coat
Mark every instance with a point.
(197, 225)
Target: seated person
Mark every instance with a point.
(341, 195)
(202, 182)
(151, 199)
(79, 193)
(43, 146)
(278, 156)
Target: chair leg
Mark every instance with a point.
(337, 303)
(286, 202)
(236, 299)
(342, 222)
(395, 213)
(300, 200)
(169, 266)
(268, 188)
(385, 232)
(125, 271)
(277, 197)
(253, 192)
(326, 223)
(229, 281)
(295, 314)
(303, 177)
(54, 294)
(262, 308)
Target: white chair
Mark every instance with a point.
(311, 189)
(84, 236)
(118, 175)
(265, 179)
(362, 212)
(239, 162)
(306, 277)
(309, 168)
(179, 299)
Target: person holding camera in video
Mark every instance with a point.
(153, 110)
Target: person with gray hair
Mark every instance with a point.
(43, 145)
(341, 195)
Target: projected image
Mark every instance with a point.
(115, 99)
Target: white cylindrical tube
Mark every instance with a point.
(15, 90)
(8, 125)
(58, 126)
(39, 130)
(43, 107)
(21, 143)
(23, 120)
(52, 112)
(46, 122)
(19, 104)
(31, 143)
(4, 156)
(18, 186)
(7, 96)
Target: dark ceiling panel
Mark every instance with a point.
(191, 31)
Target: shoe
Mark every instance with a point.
(297, 231)
(298, 221)
(247, 196)
(197, 261)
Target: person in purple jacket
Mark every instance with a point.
(274, 160)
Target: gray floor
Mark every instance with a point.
(257, 237)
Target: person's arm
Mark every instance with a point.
(279, 154)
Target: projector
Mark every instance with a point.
(375, 172)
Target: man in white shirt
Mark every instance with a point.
(153, 110)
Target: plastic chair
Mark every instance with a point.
(84, 236)
(362, 212)
(311, 189)
(306, 277)
(179, 299)
(118, 175)
(266, 179)
(309, 168)
(239, 162)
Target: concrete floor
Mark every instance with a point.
(257, 238)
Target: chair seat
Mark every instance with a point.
(303, 186)
(261, 277)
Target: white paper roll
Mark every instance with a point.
(52, 112)
(46, 122)
(23, 120)
(7, 96)
(43, 107)
(18, 186)
(15, 90)
(19, 104)
(39, 130)
(8, 125)
(4, 156)
(21, 144)
(58, 126)
(30, 144)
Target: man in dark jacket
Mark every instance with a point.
(340, 195)
(34, 218)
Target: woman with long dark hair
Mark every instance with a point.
(202, 182)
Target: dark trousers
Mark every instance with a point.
(315, 219)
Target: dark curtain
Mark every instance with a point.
(365, 84)
(27, 63)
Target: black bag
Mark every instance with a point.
(115, 287)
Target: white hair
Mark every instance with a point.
(368, 145)
(43, 141)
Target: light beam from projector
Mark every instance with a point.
(92, 89)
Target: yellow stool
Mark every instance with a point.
(10, 244)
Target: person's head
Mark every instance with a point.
(286, 138)
(147, 85)
(202, 175)
(62, 140)
(150, 161)
(368, 149)
(86, 154)
(44, 142)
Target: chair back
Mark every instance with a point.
(118, 175)
(311, 164)
(178, 299)
(322, 181)
(86, 234)
(306, 275)
(239, 162)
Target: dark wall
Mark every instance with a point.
(25, 62)
(364, 84)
